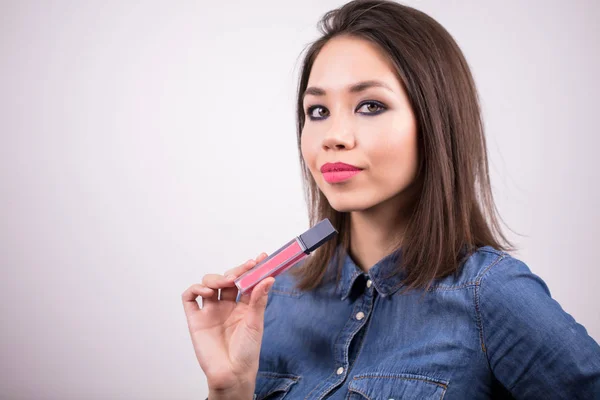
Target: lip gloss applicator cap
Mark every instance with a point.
(317, 235)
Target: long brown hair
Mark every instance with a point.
(455, 212)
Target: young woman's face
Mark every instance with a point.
(372, 127)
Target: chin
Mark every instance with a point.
(352, 203)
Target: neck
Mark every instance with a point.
(377, 231)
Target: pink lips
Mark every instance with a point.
(338, 172)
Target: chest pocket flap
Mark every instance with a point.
(382, 386)
(273, 386)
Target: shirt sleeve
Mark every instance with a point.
(534, 348)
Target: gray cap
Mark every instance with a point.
(317, 235)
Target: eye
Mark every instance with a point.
(372, 107)
(317, 112)
(321, 113)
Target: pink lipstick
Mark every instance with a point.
(287, 256)
(338, 172)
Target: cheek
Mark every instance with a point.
(303, 148)
(396, 156)
(307, 147)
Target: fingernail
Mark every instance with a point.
(230, 277)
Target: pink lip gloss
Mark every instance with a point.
(287, 256)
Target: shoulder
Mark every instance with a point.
(509, 293)
(502, 280)
(494, 266)
(507, 275)
(483, 260)
(481, 263)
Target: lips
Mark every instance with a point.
(338, 166)
(338, 172)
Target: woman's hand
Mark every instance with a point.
(227, 335)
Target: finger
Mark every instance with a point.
(229, 294)
(239, 270)
(232, 293)
(216, 281)
(258, 301)
(189, 296)
(261, 257)
(245, 298)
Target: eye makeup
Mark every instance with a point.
(382, 107)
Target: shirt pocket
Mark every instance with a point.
(395, 387)
(273, 386)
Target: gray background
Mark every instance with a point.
(145, 144)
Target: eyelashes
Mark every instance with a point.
(323, 112)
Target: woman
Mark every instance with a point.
(417, 297)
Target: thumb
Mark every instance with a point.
(255, 316)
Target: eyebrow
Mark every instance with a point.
(354, 88)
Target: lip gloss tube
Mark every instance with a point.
(287, 256)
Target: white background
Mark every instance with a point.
(145, 144)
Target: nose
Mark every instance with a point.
(339, 136)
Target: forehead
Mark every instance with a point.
(346, 60)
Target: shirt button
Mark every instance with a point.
(360, 315)
(340, 370)
(369, 283)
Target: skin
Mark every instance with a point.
(349, 127)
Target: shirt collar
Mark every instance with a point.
(385, 275)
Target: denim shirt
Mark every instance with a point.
(490, 331)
